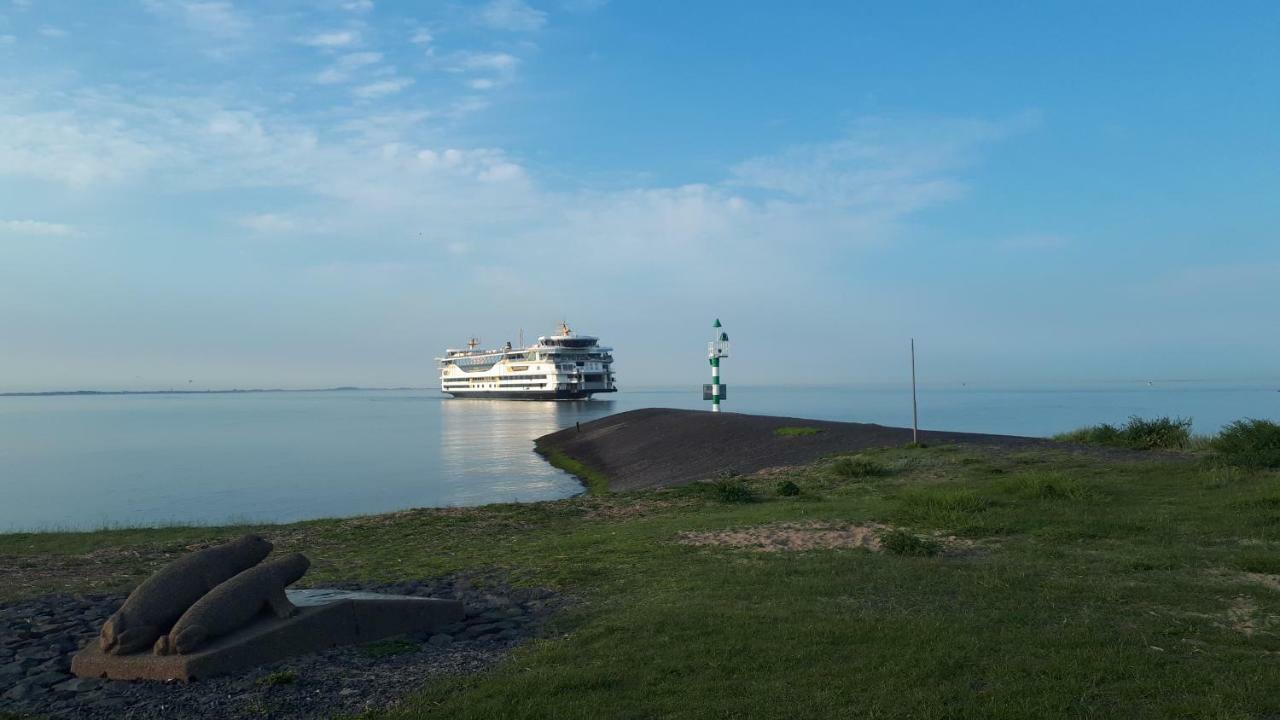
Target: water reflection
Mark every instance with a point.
(487, 446)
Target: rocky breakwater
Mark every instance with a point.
(662, 447)
(39, 636)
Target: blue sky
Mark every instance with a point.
(318, 193)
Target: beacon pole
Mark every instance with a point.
(716, 349)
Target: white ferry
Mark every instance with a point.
(558, 367)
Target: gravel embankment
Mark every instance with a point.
(658, 447)
(38, 637)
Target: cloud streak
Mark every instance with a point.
(512, 16)
(36, 228)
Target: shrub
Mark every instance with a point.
(1249, 443)
(796, 431)
(1161, 432)
(1137, 434)
(732, 491)
(901, 542)
(857, 467)
(786, 488)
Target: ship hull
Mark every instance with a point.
(527, 395)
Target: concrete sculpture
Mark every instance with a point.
(158, 602)
(203, 615)
(234, 604)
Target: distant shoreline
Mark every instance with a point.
(62, 393)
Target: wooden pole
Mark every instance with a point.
(915, 412)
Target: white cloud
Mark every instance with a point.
(343, 68)
(366, 178)
(496, 62)
(334, 39)
(493, 69)
(381, 88)
(219, 19)
(421, 37)
(76, 148)
(360, 6)
(52, 32)
(277, 224)
(36, 228)
(513, 15)
(7, 39)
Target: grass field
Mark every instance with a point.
(1010, 585)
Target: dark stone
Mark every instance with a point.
(58, 664)
(37, 654)
(338, 681)
(21, 691)
(49, 677)
(161, 599)
(79, 685)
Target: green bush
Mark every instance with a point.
(1138, 434)
(857, 467)
(1248, 443)
(732, 491)
(796, 431)
(901, 542)
(786, 488)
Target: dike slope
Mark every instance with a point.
(659, 447)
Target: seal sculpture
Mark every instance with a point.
(234, 604)
(153, 607)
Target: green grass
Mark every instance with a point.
(1162, 433)
(1095, 588)
(796, 431)
(595, 482)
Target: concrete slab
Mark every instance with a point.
(326, 618)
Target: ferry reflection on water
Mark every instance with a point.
(492, 441)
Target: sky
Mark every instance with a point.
(217, 194)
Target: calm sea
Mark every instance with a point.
(72, 462)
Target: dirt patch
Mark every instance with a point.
(792, 537)
(626, 509)
(1269, 581)
(1244, 618)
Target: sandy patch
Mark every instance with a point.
(791, 537)
(1269, 581)
(1243, 616)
